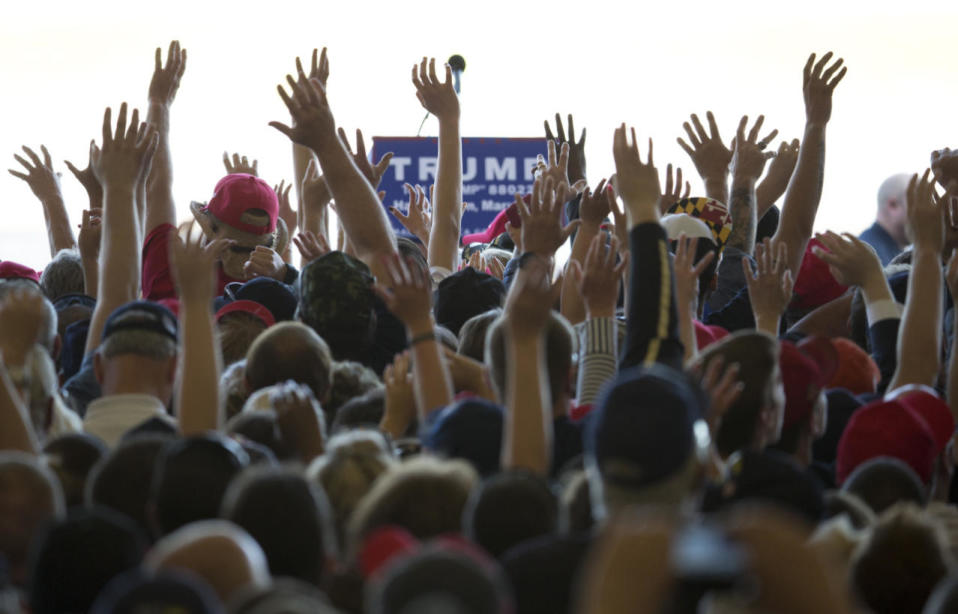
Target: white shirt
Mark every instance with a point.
(110, 416)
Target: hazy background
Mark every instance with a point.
(605, 62)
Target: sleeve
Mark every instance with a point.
(729, 279)
(883, 337)
(509, 272)
(597, 357)
(652, 333)
(156, 279)
(736, 315)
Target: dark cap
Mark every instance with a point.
(470, 429)
(464, 294)
(142, 315)
(335, 295)
(276, 296)
(643, 429)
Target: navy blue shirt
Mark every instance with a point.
(886, 247)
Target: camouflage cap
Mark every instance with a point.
(336, 298)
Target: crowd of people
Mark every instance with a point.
(707, 407)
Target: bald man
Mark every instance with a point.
(887, 235)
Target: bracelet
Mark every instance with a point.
(430, 336)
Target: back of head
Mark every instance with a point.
(78, 556)
(892, 191)
(882, 482)
(336, 301)
(645, 439)
(72, 457)
(470, 429)
(290, 351)
(350, 380)
(48, 324)
(121, 480)
(353, 461)
(439, 579)
(508, 509)
(285, 595)
(559, 335)
(261, 427)
(135, 592)
(472, 335)
(218, 551)
(465, 294)
(299, 545)
(63, 275)
(365, 410)
(191, 478)
(757, 356)
(30, 497)
(140, 328)
(425, 496)
(237, 332)
(233, 387)
(901, 561)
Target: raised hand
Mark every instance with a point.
(311, 245)
(400, 397)
(405, 290)
(597, 279)
(576, 165)
(542, 230)
(944, 165)
(417, 219)
(621, 223)
(851, 261)
(286, 211)
(87, 178)
(21, 313)
(318, 68)
(557, 168)
(770, 286)
(925, 216)
(722, 387)
(265, 262)
(88, 239)
(777, 175)
(373, 174)
(437, 97)
(44, 182)
(594, 207)
(710, 156)
(530, 299)
(239, 164)
(298, 417)
(636, 182)
(818, 85)
(166, 79)
(673, 191)
(125, 157)
(749, 155)
(313, 123)
(193, 265)
(315, 189)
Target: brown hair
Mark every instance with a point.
(290, 351)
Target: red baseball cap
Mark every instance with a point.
(251, 307)
(886, 428)
(803, 381)
(13, 270)
(707, 334)
(815, 285)
(857, 371)
(238, 193)
(931, 409)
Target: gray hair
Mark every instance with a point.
(63, 275)
(140, 343)
(48, 328)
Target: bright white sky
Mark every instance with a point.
(605, 62)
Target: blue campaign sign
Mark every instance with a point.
(494, 170)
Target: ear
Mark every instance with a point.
(282, 236)
(203, 219)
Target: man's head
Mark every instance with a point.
(300, 545)
(72, 457)
(559, 335)
(755, 419)
(47, 335)
(805, 402)
(892, 213)
(290, 351)
(646, 440)
(245, 210)
(137, 353)
(884, 481)
(63, 275)
(336, 300)
(509, 508)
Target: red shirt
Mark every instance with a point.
(156, 280)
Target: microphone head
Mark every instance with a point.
(456, 63)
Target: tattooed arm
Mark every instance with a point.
(748, 162)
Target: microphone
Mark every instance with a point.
(458, 66)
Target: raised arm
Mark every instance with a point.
(19, 333)
(593, 209)
(123, 163)
(651, 324)
(88, 244)
(193, 265)
(160, 208)
(44, 182)
(769, 286)
(87, 178)
(805, 188)
(303, 156)
(919, 338)
(527, 428)
(576, 168)
(777, 176)
(748, 162)
(360, 211)
(406, 293)
(687, 274)
(710, 156)
(440, 99)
